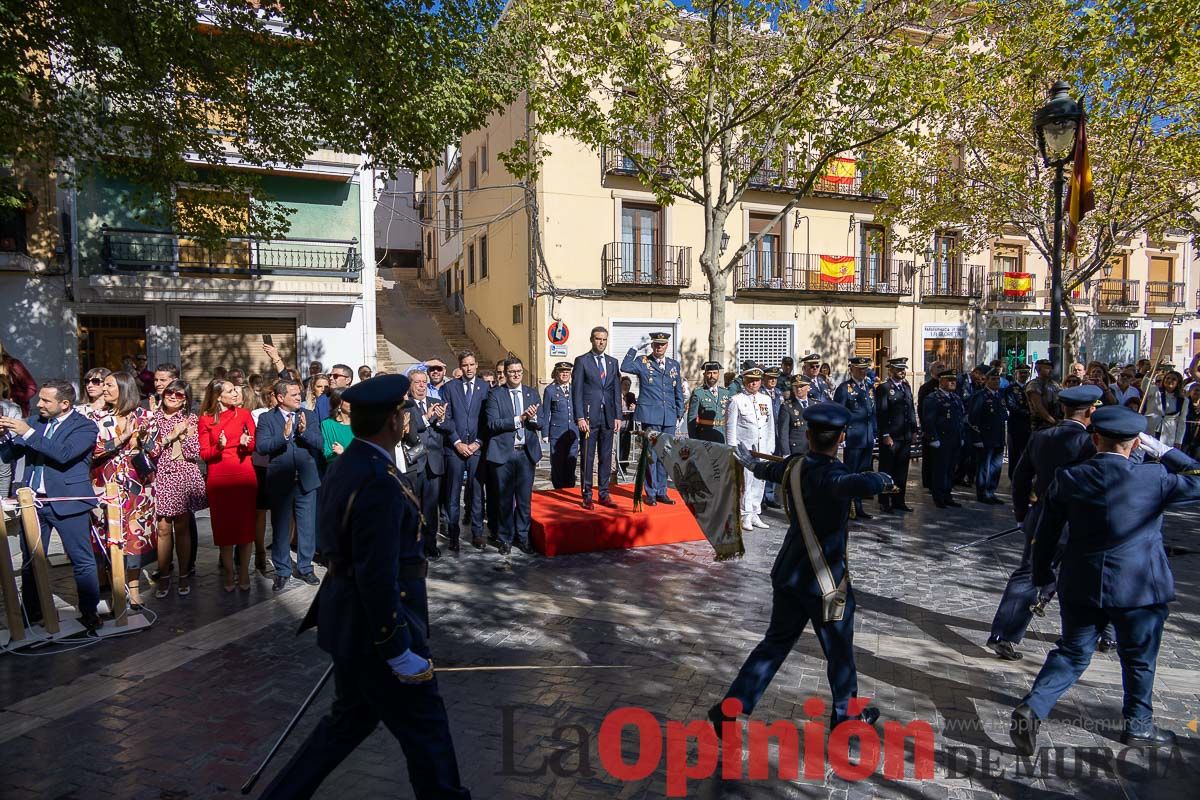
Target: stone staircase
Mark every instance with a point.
(412, 323)
(427, 299)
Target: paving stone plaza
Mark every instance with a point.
(551, 646)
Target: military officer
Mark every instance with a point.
(557, 420)
(820, 391)
(1018, 417)
(969, 385)
(735, 385)
(810, 579)
(855, 394)
(772, 389)
(791, 429)
(706, 406)
(1050, 449)
(749, 421)
(932, 371)
(942, 421)
(371, 611)
(660, 403)
(896, 420)
(1042, 393)
(987, 418)
(1114, 569)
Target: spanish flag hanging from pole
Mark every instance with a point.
(841, 171)
(1080, 197)
(837, 269)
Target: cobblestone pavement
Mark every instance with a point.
(187, 709)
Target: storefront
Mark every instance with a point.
(1113, 340)
(945, 343)
(1016, 338)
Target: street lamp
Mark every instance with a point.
(1056, 124)
(724, 241)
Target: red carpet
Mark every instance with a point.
(561, 526)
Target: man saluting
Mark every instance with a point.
(371, 611)
(810, 579)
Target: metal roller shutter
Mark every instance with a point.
(624, 335)
(764, 343)
(231, 342)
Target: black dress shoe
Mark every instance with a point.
(718, 718)
(649, 501)
(669, 502)
(903, 507)
(433, 553)
(90, 621)
(525, 548)
(504, 549)
(310, 578)
(608, 502)
(869, 715)
(766, 503)
(588, 505)
(865, 515)
(1105, 644)
(478, 543)
(279, 582)
(1024, 730)
(1155, 737)
(939, 504)
(953, 504)
(1005, 650)
(494, 541)
(455, 547)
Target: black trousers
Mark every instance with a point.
(427, 487)
(894, 461)
(597, 447)
(367, 693)
(564, 461)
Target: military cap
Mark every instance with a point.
(811, 358)
(786, 361)
(708, 365)
(827, 416)
(1080, 396)
(1020, 368)
(382, 390)
(1043, 362)
(984, 368)
(994, 372)
(563, 365)
(860, 361)
(1166, 366)
(1118, 422)
(800, 380)
(898, 363)
(752, 373)
(660, 337)
(771, 372)
(948, 373)
(748, 364)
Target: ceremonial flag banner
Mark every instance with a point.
(1018, 284)
(841, 171)
(837, 269)
(1081, 198)
(709, 479)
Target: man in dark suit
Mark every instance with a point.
(429, 468)
(372, 613)
(514, 448)
(1114, 569)
(291, 437)
(596, 398)
(57, 445)
(465, 398)
(896, 418)
(927, 388)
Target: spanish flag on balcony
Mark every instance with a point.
(1080, 196)
(837, 269)
(840, 172)
(1018, 284)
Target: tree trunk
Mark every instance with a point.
(717, 283)
(1071, 335)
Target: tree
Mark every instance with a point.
(1136, 68)
(169, 91)
(703, 100)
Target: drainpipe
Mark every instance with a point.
(534, 355)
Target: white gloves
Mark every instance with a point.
(1151, 445)
(742, 454)
(643, 342)
(935, 444)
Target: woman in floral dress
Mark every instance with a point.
(178, 485)
(128, 443)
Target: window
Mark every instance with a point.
(473, 174)
(763, 263)
(483, 156)
(457, 209)
(429, 246)
(947, 266)
(471, 263)
(517, 314)
(212, 212)
(1007, 258)
(1161, 269)
(12, 230)
(872, 251)
(764, 343)
(483, 257)
(448, 220)
(640, 240)
(1120, 267)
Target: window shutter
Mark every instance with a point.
(764, 343)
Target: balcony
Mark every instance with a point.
(1115, 295)
(953, 282)
(1079, 296)
(619, 162)
(1164, 297)
(813, 273)
(648, 267)
(1010, 291)
(170, 253)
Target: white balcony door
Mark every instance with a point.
(639, 242)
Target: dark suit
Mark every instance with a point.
(512, 463)
(557, 418)
(293, 477)
(372, 606)
(464, 423)
(828, 488)
(895, 417)
(927, 388)
(60, 464)
(988, 416)
(596, 397)
(428, 470)
(1114, 569)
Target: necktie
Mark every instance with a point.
(421, 405)
(469, 385)
(518, 409)
(603, 369)
(38, 471)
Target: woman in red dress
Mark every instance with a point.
(226, 443)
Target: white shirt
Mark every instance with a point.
(58, 422)
(518, 408)
(1124, 395)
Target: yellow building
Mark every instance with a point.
(827, 279)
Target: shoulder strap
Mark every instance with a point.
(833, 595)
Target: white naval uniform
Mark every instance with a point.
(750, 421)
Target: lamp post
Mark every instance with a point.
(1056, 124)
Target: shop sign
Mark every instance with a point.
(945, 331)
(1018, 322)
(1118, 324)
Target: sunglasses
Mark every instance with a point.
(175, 395)
(95, 381)
(341, 375)
(437, 369)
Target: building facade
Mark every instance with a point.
(397, 227)
(827, 278)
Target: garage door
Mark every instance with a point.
(232, 342)
(624, 335)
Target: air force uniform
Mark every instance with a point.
(895, 418)
(1019, 425)
(988, 416)
(942, 420)
(860, 433)
(557, 419)
(822, 390)
(660, 406)
(791, 429)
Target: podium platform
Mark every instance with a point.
(561, 526)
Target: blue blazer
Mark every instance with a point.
(464, 422)
(987, 417)
(1114, 555)
(595, 400)
(1048, 450)
(556, 416)
(66, 458)
(502, 429)
(300, 459)
(432, 436)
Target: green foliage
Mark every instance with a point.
(163, 91)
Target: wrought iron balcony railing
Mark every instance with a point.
(1116, 295)
(623, 162)
(764, 271)
(1164, 297)
(952, 280)
(631, 265)
(1004, 288)
(127, 250)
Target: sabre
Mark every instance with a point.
(992, 537)
(288, 730)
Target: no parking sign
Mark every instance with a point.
(558, 333)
